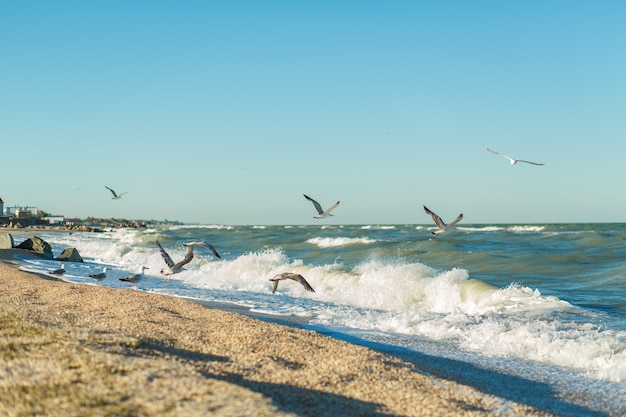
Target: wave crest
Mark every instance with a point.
(332, 242)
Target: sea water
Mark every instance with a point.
(531, 313)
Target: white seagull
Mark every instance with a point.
(100, 275)
(513, 161)
(115, 195)
(321, 213)
(135, 278)
(290, 275)
(442, 226)
(173, 268)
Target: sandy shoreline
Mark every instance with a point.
(70, 349)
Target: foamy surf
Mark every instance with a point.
(492, 295)
(339, 241)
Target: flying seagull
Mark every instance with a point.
(290, 275)
(173, 268)
(322, 214)
(115, 195)
(442, 226)
(513, 161)
(135, 278)
(100, 275)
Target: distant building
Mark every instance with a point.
(22, 212)
(1, 207)
(54, 219)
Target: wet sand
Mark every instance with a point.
(68, 349)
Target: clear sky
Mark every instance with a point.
(228, 111)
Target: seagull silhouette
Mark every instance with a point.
(322, 214)
(115, 195)
(173, 268)
(290, 275)
(442, 226)
(513, 161)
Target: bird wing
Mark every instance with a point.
(315, 203)
(500, 154)
(110, 189)
(455, 221)
(188, 257)
(274, 285)
(529, 162)
(99, 274)
(329, 209)
(166, 257)
(205, 245)
(305, 284)
(436, 218)
(130, 278)
(213, 250)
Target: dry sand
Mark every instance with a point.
(82, 350)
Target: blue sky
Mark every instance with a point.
(227, 112)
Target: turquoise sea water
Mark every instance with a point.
(539, 308)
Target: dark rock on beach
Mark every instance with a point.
(70, 255)
(37, 245)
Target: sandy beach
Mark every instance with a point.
(86, 350)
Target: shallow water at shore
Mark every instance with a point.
(539, 303)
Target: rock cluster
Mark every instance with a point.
(39, 246)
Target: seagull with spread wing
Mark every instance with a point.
(513, 161)
(173, 268)
(322, 214)
(442, 226)
(290, 275)
(115, 195)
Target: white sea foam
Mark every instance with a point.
(389, 295)
(200, 226)
(479, 229)
(378, 227)
(525, 229)
(331, 242)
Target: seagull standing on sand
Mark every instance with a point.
(115, 195)
(135, 278)
(290, 275)
(59, 271)
(173, 268)
(442, 226)
(99, 276)
(321, 213)
(513, 161)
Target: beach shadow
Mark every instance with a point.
(514, 388)
(304, 401)
(510, 387)
(288, 398)
(144, 347)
